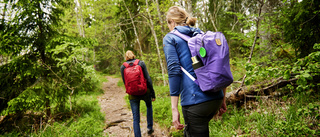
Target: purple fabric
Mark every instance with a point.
(216, 73)
(185, 37)
(196, 81)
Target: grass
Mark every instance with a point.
(88, 121)
(297, 117)
(85, 118)
(296, 114)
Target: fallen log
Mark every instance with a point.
(256, 91)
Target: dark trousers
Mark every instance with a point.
(197, 118)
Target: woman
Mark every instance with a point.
(198, 107)
(135, 100)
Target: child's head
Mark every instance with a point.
(129, 55)
(180, 17)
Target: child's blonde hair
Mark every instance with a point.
(180, 16)
(129, 55)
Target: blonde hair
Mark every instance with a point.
(129, 55)
(180, 16)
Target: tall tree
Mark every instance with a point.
(299, 22)
(79, 16)
(134, 28)
(156, 41)
(44, 68)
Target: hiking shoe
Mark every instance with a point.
(150, 131)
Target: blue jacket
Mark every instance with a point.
(177, 54)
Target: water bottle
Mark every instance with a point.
(196, 62)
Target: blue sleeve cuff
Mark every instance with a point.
(174, 83)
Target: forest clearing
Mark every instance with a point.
(60, 65)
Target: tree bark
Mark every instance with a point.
(257, 32)
(162, 31)
(258, 91)
(160, 18)
(77, 10)
(134, 28)
(156, 41)
(81, 19)
(253, 45)
(189, 7)
(264, 34)
(212, 15)
(40, 44)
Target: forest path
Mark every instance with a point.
(119, 121)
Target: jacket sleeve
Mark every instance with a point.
(147, 76)
(121, 70)
(173, 65)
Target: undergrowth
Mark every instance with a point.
(85, 118)
(291, 115)
(295, 114)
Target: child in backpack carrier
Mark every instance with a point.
(139, 86)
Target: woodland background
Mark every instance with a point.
(53, 52)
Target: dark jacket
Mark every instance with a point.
(177, 54)
(143, 66)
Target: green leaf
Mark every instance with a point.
(287, 75)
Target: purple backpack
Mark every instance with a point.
(210, 57)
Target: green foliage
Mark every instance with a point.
(257, 73)
(299, 23)
(48, 66)
(44, 60)
(68, 77)
(308, 69)
(18, 74)
(87, 120)
(305, 69)
(295, 118)
(152, 61)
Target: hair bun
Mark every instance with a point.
(191, 21)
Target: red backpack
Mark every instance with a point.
(135, 82)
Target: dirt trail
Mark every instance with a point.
(118, 116)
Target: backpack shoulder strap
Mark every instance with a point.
(125, 64)
(136, 62)
(183, 36)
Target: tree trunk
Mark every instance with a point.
(81, 19)
(253, 45)
(156, 41)
(81, 25)
(4, 13)
(189, 7)
(134, 28)
(212, 15)
(162, 31)
(41, 45)
(264, 34)
(160, 18)
(263, 90)
(77, 10)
